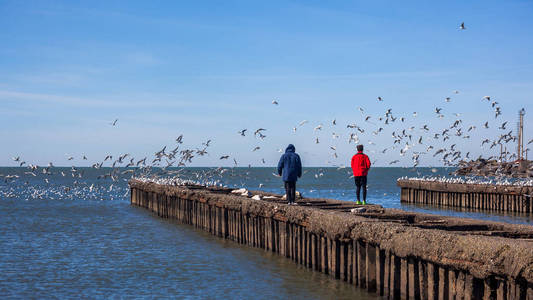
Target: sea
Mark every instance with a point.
(72, 233)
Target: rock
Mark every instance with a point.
(482, 167)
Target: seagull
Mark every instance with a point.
(256, 148)
(114, 122)
(275, 102)
(334, 122)
(242, 132)
(380, 99)
(394, 162)
(259, 131)
(447, 99)
(437, 110)
(179, 140)
(486, 98)
(16, 158)
(316, 141)
(302, 123)
(319, 127)
(502, 127)
(415, 114)
(456, 92)
(486, 125)
(462, 26)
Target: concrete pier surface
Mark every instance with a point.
(490, 197)
(396, 254)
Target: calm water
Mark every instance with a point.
(79, 237)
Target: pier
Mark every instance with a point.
(472, 196)
(393, 253)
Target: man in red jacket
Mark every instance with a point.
(360, 166)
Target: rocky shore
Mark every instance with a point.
(483, 167)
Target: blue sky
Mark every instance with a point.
(207, 69)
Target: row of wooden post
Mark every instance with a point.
(355, 261)
(472, 200)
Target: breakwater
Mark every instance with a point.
(393, 253)
(489, 197)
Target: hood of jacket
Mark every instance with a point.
(290, 148)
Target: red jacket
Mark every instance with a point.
(360, 164)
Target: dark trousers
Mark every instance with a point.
(290, 191)
(360, 181)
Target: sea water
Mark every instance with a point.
(78, 237)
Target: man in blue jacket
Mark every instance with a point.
(290, 166)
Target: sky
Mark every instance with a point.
(208, 69)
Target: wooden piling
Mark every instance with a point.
(369, 264)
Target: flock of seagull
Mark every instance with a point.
(172, 160)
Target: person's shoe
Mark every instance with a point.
(358, 202)
(364, 203)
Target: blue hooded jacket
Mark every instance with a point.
(290, 164)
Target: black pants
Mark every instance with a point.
(290, 191)
(360, 181)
